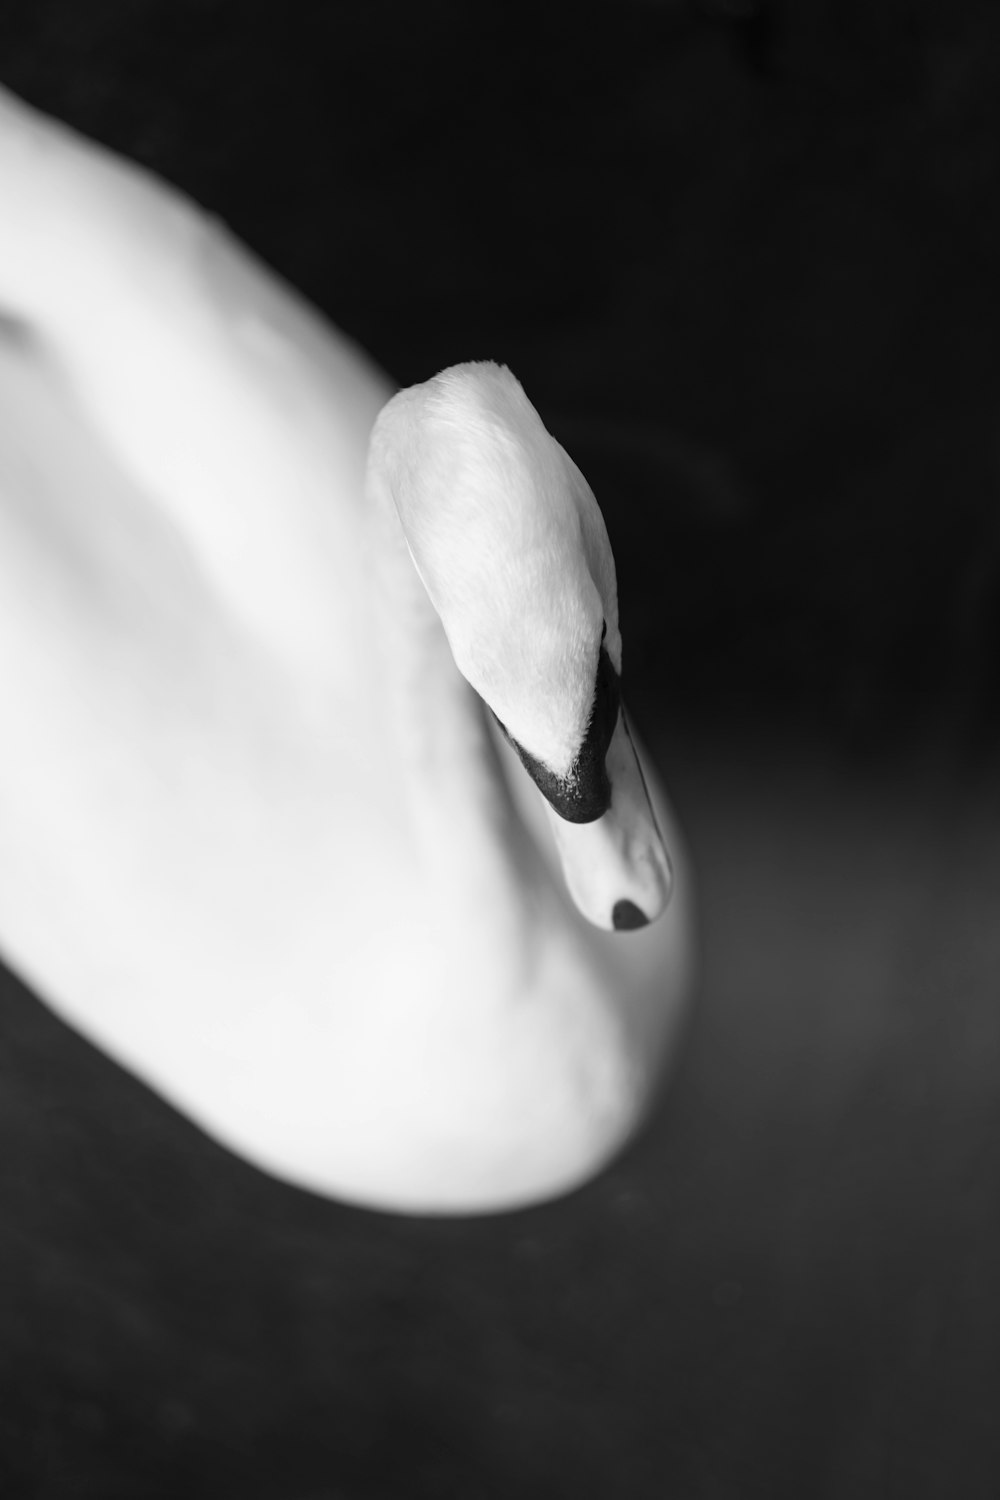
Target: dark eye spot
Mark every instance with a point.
(626, 916)
(584, 794)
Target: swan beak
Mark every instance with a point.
(617, 868)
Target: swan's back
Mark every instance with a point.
(206, 862)
(218, 393)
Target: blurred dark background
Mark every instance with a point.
(745, 257)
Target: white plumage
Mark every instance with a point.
(259, 838)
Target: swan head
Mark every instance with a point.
(510, 545)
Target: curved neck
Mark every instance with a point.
(457, 802)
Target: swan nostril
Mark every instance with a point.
(626, 915)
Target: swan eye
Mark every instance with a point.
(584, 794)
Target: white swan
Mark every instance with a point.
(259, 837)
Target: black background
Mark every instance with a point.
(745, 259)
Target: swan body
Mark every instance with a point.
(286, 658)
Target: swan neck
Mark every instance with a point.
(457, 802)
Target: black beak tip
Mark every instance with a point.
(626, 916)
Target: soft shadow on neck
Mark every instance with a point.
(462, 820)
